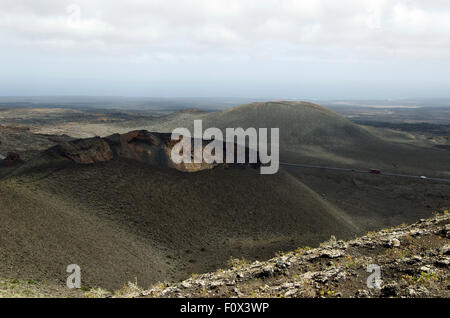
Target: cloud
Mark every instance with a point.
(363, 27)
(225, 47)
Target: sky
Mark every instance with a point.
(324, 49)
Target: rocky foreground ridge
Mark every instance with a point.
(413, 260)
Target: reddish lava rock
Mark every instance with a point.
(12, 159)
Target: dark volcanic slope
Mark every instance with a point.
(123, 219)
(300, 123)
(375, 201)
(313, 134)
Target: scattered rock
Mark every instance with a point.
(443, 262)
(415, 233)
(390, 290)
(413, 260)
(417, 291)
(215, 284)
(362, 293)
(290, 293)
(390, 242)
(186, 284)
(332, 253)
(266, 271)
(447, 230)
(319, 272)
(445, 250)
(426, 269)
(327, 275)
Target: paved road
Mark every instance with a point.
(363, 171)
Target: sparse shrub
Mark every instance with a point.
(237, 263)
(396, 253)
(351, 262)
(97, 293)
(128, 291)
(302, 250)
(85, 288)
(327, 293)
(422, 279)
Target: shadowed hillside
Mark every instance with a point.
(124, 219)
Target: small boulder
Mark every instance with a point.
(426, 269)
(391, 242)
(362, 294)
(13, 159)
(390, 290)
(395, 242)
(290, 293)
(443, 261)
(445, 250)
